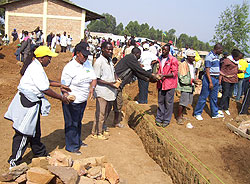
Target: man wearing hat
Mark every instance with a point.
(80, 77)
(27, 105)
(186, 81)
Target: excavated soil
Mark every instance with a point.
(224, 153)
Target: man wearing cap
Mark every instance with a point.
(24, 110)
(146, 60)
(186, 81)
(80, 77)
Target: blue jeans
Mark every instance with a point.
(73, 114)
(213, 97)
(143, 91)
(239, 92)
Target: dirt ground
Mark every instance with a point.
(123, 149)
(226, 154)
(223, 152)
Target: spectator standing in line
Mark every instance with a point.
(186, 84)
(63, 42)
(242, 66)
(49, 39)
(246, 78)
(131, 45)
(53, 43)
(172, 51)
(210, 84)
(14, 35)
(152, 48)
(168, 70)
(69, 43)
(6, 40)
(125, 69)
(17, 53)
(146, 60)
(25, 46)
(21, 36)
(29, 103)
(228, 78)
(80, 77)
(105, 91)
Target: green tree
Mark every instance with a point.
(107, 25)
(133, 28)
(233, 28)
(144, 30)
(118, 29)
(171, 34)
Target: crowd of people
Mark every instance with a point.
(104, 79)
(29, 40)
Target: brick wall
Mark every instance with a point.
(55, 7)
(24, 23)
(72, 27)
(63, 9)
(34, 6)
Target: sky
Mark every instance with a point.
(193, 17)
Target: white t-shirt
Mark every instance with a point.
(191, 69)
(163, 61)
(78, 77)
(104, 70)
(63, 41)
(34, 79)
(69, 41)
(153, 49)
(146, 59)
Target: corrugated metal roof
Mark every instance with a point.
(89, 14)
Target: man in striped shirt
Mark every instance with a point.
(210, 84)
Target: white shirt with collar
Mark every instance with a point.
(34, 79)
(104, 70)
(63, 41)
(78, 77)
(146, 59)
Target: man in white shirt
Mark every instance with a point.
(105, 91)
(146, 60)
(69, 43)
(152, 48)
(63, 42)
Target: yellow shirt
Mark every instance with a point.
(242, 66)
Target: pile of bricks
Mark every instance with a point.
(61, 169)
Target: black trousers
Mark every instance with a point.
(20, 144)
(227, 90)
(245, 103)
(63, 49)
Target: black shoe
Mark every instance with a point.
(84, 145)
